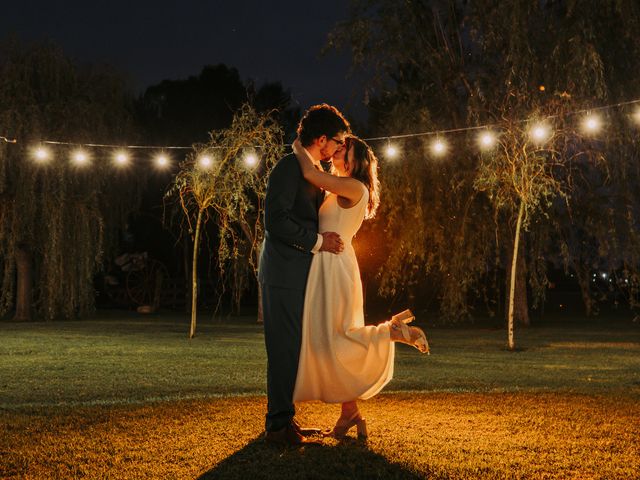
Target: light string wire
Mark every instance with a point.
(370, 139)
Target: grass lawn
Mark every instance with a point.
(132, 397)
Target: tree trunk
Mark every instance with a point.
(585, 289)
(194, 278)
(512, 288)
(24, 286)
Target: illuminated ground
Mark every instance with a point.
(100, 399)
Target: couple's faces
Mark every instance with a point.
(332, 145)
(340, 158)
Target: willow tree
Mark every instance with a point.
(225, 181)
(450, 64)
(56, 220)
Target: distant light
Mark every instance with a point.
(391, 151)
(205, 162)
(591, 124)
(486, 140)
(540, 132)
(636, 116)
(162, 161)
(121, 158)
(42, 154)
(251, 160)
(439, 147)
(541, 88)
(603, 275)
(80, 157)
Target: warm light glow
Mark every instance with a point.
(41, 154)
(162, 161)
(121, 158)
(591, 124)
(439, 147)
(486, 140)
(205, 162)
(391, 151)
(80, 157)
(540, 132)
(251, 160)
(636, 116)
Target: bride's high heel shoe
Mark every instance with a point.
(418, 340)
(343, 426)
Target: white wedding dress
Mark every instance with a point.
(341, 359)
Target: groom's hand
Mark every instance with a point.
(331, 242)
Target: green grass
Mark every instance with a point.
(80, 400)
(130, 359)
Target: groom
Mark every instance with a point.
(291, 240)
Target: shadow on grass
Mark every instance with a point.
(348, 459)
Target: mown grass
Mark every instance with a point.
(132, 397)
(138, 359)
(412, 435)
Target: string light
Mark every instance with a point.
(121, 158)
(540, 132)
(391, 151)
(486, 140)
(41, 154)
(251, 160)
(80, 157)
(591, 124)
(205, 162)
(439, 147)
(162, 161)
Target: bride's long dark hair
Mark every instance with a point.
(364, 167)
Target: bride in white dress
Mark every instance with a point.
(341, 359)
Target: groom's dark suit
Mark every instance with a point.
(291, 232)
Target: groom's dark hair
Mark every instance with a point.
(321, 120)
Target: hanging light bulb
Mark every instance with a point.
(42, 154)
(251, 160)
(439, 147)
(391, 151)
(121, 158)
(80, 157)
(540, 132)
(591, 124)
(487, 140)
(205, 162)
(162, 160)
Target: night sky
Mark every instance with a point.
(152, 41)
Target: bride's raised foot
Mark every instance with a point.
(343, 425)
(401, 332)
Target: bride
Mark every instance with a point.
(341, 359)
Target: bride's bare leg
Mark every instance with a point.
(349, 409)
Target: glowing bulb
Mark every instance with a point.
(80, 157)
(592, 124)
(41, 154)
(251, 160)
(205, 162)
(540, 132)
(486, 140)
(391, 151)
(121, 158)
(162, 161)
(439, 147)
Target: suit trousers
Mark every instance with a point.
(282, 317)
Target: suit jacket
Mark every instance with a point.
(291, 226)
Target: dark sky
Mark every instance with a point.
(152, 41)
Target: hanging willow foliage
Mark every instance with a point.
(230, 191)
(61, 217)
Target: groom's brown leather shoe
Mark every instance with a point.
(288, 436)
(305, 431)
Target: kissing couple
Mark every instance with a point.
(318, 347)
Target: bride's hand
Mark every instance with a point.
(306, 163)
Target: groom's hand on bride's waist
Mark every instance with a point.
(331, 242)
